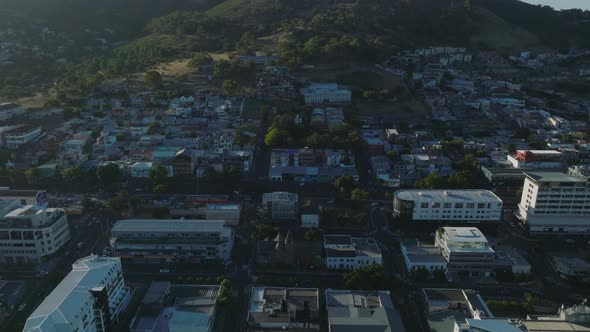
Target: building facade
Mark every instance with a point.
(351, 253)
(161, 241)
(331, 93)
(458, 206)
(13, 139)
(89, 299)
(29, 233)
(555, 203)
(466, 250)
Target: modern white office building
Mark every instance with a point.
(555, 203)
(281, 205)
(172, 241)
(351, 253)
(29, 233)
(466, 250)
(89, 299)
(458, 206)
(331, 93)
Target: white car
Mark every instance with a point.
(164, 270)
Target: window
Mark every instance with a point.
(458, 205)
(447, 205)
(435, 205)
(424, 205)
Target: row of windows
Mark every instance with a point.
(425, 205)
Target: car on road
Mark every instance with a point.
(375, 204)
(164, 270)
(21, 307)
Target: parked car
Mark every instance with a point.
(164, 270)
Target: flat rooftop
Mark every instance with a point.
(553, 177)
(165, 225)
(338, 240)
(451, 196)
(465, 234)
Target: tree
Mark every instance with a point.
(153, 78)
(432, 181)
(345, 183)
(121, 201)
(71, 175)
(158, 174)
(245, 44)
(264, 231)
(159, 188)
(312, 234)
(108, 174)
(199, 59)
(32, 175)
(439, 275)
(371, 277)
(359, 195)
(229, 87)
(391, 155)
(421, 274)
(86, 203)
(276, 137)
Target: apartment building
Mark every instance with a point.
(350, 253)
(275, 309)
(89, 299)
(281, 205)
(555, 203)
(331, 93)
(466, 250)
(9, 110)
(29, 233)
(536, 159)
(172, 241)
(16, 137)
(448, 206)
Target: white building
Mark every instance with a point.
(281, 205)
(467, 206)
(172, 241)
(29, 233)
(466, 250)
(351, 253)
(25, 197)
(9, 110)
(555, 203)
(317, 93)
(13, 139)
(88, 299)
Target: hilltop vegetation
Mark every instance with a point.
(336, 31)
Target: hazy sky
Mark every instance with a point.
(562, 4)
